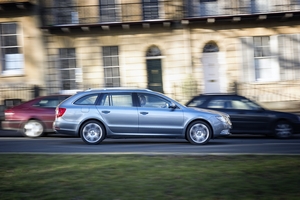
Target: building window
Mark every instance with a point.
(260, 6)
(289, 60)
(108, 11)
(259, 62)
(111, 66)
(209, 7)
(150, 9)
(210, 47)
(262, 56)
(153, 51)
(67, 67)
(65, 12)
(11, 50)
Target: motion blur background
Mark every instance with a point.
(179, 47)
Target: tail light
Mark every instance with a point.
(8, 114)
(60, 112)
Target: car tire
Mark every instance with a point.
(283, 129)
(198, 132)
(33, 129)
(92, 132)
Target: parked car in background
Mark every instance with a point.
(122, 113)
(33, 118)
(247, 116)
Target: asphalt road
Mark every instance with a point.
(13, 142)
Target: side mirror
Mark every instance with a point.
(172, 105)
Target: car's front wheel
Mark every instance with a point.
(92, 132)
(199, 132)
(283, 129)
(33, 128)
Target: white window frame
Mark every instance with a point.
(160, 11)
(117, 9)
(111, 67)
(63, 70)
(12, 59)
(250, 63)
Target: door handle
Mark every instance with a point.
(144, 113)
(105, 111)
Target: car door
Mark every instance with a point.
(156, 118)
(44, 109)
(119, 113)
(246, 116)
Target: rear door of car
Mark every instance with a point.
(156, 118)
(119, 112)
(44, 109)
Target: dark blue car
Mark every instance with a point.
(248, 117)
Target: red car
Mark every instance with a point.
(33, 118)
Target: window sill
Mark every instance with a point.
(9, 73)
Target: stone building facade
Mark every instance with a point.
(178, 47)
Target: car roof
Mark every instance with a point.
(220, 94)
(117, 89)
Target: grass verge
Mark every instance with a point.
(77, 177)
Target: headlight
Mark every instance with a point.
(221, 118)
(224, 119)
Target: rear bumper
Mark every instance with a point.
(11, 125)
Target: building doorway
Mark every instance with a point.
(154, 69)
(211, 68)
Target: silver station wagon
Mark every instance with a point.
(96, 114)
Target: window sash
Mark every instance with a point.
(12, 58)
(150, 9)
(67, 67)
(111, 66)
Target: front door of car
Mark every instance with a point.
(156, 118)
(246, 118)
(118, 112)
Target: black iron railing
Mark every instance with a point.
(57, 15)
(60, 13)
(198, 8)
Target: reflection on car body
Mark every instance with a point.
(120, 113)
(249, 117)
(33, 118)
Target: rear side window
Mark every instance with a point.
(87, 100)
(197, 101)
(122, 100)
(50, 102)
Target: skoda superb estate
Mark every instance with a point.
(97, 114)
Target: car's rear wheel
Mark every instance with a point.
(92, 132)
(199, 132)
(33, 128)
(283, 129)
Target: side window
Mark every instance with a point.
(87, 100)
(105, 100)
(123, 100)
(153, 101)
(240, 105)
(197, 101)
(216, 103)
(47, 103)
